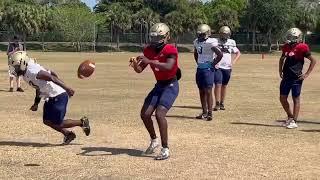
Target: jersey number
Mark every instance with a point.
(200, 50)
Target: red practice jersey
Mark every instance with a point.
(167, 52)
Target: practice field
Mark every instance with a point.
(243, 142)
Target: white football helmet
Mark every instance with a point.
(18, 62)
(204, 30)
(225, 32)
(159, 33)
(294, 35)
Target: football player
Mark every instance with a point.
(294, 53)
(224, 67)
(205, 49)
(12, 48)
(163, 60)
(51, 88)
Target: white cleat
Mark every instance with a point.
(292, 125)
(164, 154)
(287, 122)
(153, 145)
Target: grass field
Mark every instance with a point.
(243, 142)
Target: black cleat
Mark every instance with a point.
(11, 90)
(217, 107)
(209, 117)
(202, 116)
(69, 137)
(85, 125)
(20, 89)
(222, 107)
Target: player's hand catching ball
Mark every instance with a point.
(144, 59)
(133, 61)
(34, 107)
(70, 92)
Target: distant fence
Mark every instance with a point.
(104, 42)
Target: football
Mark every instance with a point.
(86, 69)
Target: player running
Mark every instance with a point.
(50, 87)
(163, 60)
(224, 67)
(290, 70)
(205, 49)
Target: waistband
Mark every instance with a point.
(166, 82)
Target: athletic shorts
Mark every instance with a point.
(222, 76)
(162, 95)
(288, 85)
(204, 78)
(55, 109)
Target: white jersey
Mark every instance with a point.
(227, 48)
(47, 88)
(205, 53)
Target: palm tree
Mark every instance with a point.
(121, 19)
(145, 18)
(307, 15)
(24, 19)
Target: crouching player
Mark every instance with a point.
(163, 60)
(48, 86)
(205, 49)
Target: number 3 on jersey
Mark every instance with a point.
(199, 50)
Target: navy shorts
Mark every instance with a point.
(204, 78)
(162, 94)
(55, 109)
(288, 85)
(222, 76)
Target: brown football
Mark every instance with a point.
(86, 69)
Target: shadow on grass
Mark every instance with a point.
(254, 124)
(180, 117)
(311, 130)
(111, 151)
(26, 144)
(301, 121)
(187, 107)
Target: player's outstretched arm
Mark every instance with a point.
(164, 66)
(238, 54)
(37, 100)
(44, 75)
(311, 66)
(219, 55)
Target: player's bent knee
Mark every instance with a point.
(160, 115)
(145, 116)
(161, 112)
(296, 99)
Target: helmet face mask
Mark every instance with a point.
(203, 32)
(159, 35)
(18, 62)
(225, 33)
(293, 35)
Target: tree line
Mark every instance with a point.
(77, 23)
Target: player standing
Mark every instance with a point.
(205, 48)
(163, 60)
(290, 70)
(224, 67)
(12, 48)
(50, 87)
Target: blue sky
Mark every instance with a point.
(91, 3)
